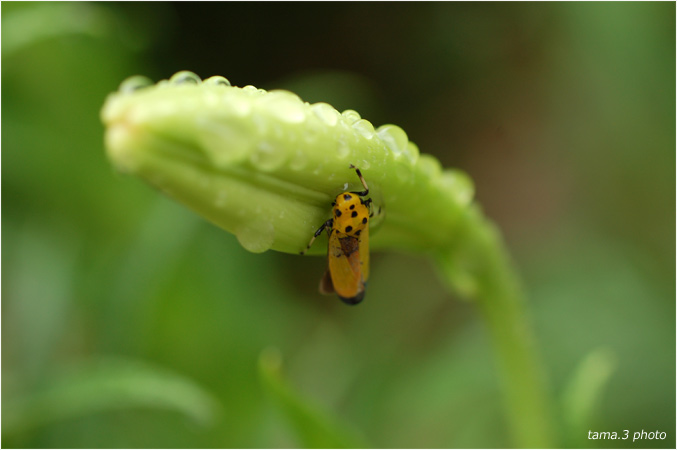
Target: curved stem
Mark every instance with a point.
(478, 267)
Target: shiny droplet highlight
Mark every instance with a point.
(284, 105)
(217, 81)
(256, 236)
(394, 138)
(134, 83)
(185, 77)
(364, 128)
(326, 113)
(267, 156)
(351, 116)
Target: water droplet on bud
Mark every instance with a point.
(284, 105)
(185, 77)
(134, 83)
(256, 236)
(458, 185)
(429, 166)
(364, 128)
(394, 137)
(351, 116)
(217, 81)
(267, 157)
(326, 113)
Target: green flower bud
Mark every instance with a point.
(266, 165)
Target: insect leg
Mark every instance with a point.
(364, 183)
(319, 231)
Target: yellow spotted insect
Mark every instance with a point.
(348, 255)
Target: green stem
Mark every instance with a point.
(478, 267)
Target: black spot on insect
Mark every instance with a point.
(364, 220)
(349, 229)
(358, 232)
(347, 197)
(338, 213)
(352, 206)
(354, 214)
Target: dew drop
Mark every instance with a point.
(256, 236)
(217, 81)
(458, 185)
(364, 164)
(429, 166)
(298, 161)
(364, 128)
(411, 153)
(284, 105)
(394, 137)
(223, 144)
(134, 83)
(267, 157)
(343, 149)
(351, 116)
(184, 77)
(326, 113)
(311, 132)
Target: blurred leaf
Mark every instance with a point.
(38, 291)
(29, 23)
(106, 385)
(314, 428)
(24, 26)
(449, 398)
(583, 394)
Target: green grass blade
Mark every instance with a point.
(107, 385)
(313, 427)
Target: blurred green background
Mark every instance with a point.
(127, 321)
